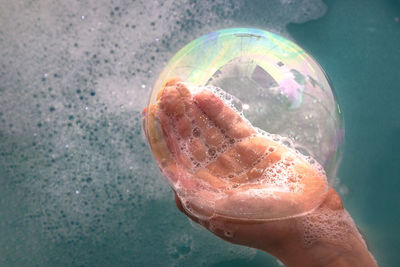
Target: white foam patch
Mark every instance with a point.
(327, 225)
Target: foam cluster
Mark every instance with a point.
(332, 226)
(282, 176)
(212, 152)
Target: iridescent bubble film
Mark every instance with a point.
(275, 86)
(283, 90)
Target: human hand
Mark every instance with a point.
(220, 165)
(207, 150)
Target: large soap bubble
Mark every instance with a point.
(276, 87)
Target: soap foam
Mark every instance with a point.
(333, 226)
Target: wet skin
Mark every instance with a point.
(223, 153)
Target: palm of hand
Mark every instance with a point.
(207, 150)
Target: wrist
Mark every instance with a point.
(325, 237)
(351, 252)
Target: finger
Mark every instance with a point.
(223, 116)
(188, 131)
(173, 101)
(172, 104)
(214, 182)
(250, 155)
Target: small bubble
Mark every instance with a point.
(287, 143)
(211, 152)
(237, 105)
(196, 132)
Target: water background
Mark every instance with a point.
(78, 185)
